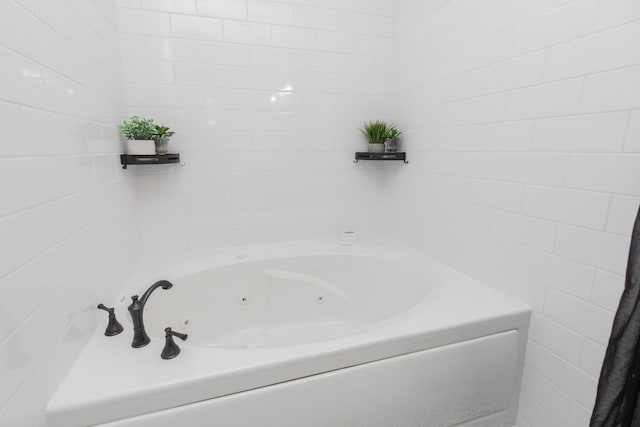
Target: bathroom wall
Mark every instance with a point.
(266, 98)
(522, 122)
(67, 217)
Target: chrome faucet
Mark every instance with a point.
(136, 309)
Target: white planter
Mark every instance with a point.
(138, 147)
(376, 148)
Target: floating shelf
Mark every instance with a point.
(381, 156)
(148, 159)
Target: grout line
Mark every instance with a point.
(513, 120)
(583, 89)
(47, 67)
(527, 86)
(57, 245)
(273, 24)
(60, 34)
(84, 155)
(523, 54)
(606, 222)
(94, 186)
(52, 298)
(588, 33)
(577, 367)
(626, 132)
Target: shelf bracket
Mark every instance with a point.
(395, 156)
(149, 159)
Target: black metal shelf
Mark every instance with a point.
(381, 156)
(148, 159)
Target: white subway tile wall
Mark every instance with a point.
(266, 98)
(522, 119)
(67, 216)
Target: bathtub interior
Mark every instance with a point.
(287, 301)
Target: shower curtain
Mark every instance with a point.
(618, 400)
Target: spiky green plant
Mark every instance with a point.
(138, 128)
(375, 131)
(392, 132)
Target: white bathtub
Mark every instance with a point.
(309, 334)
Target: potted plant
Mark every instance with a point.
(376, 133)
(393, 139)
(139, 133)
(161, 138)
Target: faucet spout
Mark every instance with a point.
(164, 284)
(136, 309)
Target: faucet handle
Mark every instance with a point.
(114, 327)
(171, 349)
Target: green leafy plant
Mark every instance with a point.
(392, 132)
(375, 131)
(162, 132)
(138, 128)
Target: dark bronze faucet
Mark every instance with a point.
(171, 349)
(114, 327)
(136, 309)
